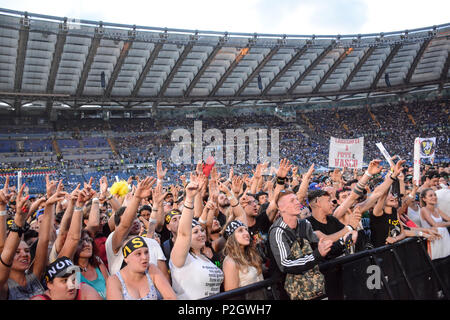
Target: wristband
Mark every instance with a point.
(4, 263)
(110, 197)
(368, 174)
(189, 207)
(152, 221)
(201, 221)
(3, 213)
(78, 208)
(281, 181)
(235, 205)
(411, 196)
(95, 200)
(350, 228)
(395, 179)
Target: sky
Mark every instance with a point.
(306, 17)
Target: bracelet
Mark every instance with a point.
(188, 207)
(3, 213)
(78, 209)
(152, 221)
(368, 174)
(110, 197)
(235, 205)
(3, 262)
(95, 200)
(411, 196)
(201, 221)
(350, 228)
(394, 179)
(359, 193)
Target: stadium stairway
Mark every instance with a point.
(307, 121)
(56, 147)
(112, 145)
(373, 117)
(405, 108)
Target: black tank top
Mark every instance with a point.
(386, 225)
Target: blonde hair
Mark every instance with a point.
(243, 258)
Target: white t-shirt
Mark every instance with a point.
(115, 260)
(196, 279)
(443, 200)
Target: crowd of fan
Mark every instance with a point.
(208, 232)
(132, 225)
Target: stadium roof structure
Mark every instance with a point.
(47, 59)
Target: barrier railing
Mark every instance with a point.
(402, 271)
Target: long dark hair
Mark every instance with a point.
(93, 260)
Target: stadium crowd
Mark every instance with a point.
(139, 233)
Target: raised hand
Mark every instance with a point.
(237, 184)
(20, 200)
(374, 167)
(74, 193)
(103, 186)
(285, 167)
(158, 195)
(50, 186)
(398, 167)
(59, 195)
(144, 188)
(215, 175)
(160, 172)
(5, 195)
(192, 188)
(231, 174)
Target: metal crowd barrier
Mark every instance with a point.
(401, 271)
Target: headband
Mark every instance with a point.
(231, 227)
(172, 213)
(132, 245)
(195, 223)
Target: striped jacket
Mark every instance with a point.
(281, 242)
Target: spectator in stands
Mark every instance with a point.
(19, 279)
(172, 220)
(431, 216)
(61, 282)
(287, 231)
(242, 263)
(128, 225)
(139, 279)
(187, 257)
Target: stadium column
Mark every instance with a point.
(444, 73)
(20, 60)
(89, 59)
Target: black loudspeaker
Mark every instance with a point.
(386, 79)
(103, 80)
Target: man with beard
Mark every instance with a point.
(128, 225)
